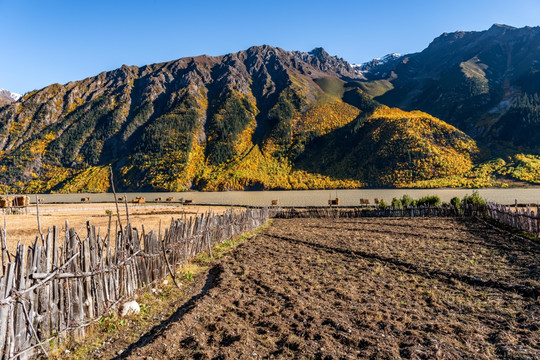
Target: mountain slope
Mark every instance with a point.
(471, 80)
(161, 125)
(391, 147)
(248, 120)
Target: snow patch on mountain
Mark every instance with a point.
(367, 66)
(6, 94)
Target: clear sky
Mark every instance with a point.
(48, 41)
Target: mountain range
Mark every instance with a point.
(463, 112)
(471, 80)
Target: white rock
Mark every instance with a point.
(131, 307)
(165, 282)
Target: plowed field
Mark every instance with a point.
(362, 288)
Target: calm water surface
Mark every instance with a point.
(307, 197)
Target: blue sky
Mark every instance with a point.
(43, 42)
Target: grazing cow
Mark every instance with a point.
(333, 201)
(20, 201)
(5, 202)
(139, 200)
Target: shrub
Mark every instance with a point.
(430, 200)
(397, 204)
(475, 200)
(456, 202)
(406, 201)
(383, 205)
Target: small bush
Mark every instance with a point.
(383, 205)
(456, 202)
(430, 200)
(397, 204)
(407, 201)
(188, 275)
(111, 322)
(475, 200)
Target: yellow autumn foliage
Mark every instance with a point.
(260, 171)
(322, 119)
(93, 179)
(419, 147)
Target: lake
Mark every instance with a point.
(306, 197)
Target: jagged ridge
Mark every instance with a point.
(239, 121)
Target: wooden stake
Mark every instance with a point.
(115, 200)
(38, 223)
(5, 258)
(168, 264)
(127, 209)
(33, 330)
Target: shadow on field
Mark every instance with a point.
(486, 235)
(504, 240)
(409, 268)
(148, 338)
(516, 249)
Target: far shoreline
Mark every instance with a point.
(256, 198)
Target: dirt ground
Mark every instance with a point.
(384, 288)
(24, 226)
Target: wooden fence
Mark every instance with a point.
(523, 218)
(56, 288)
(356, 212)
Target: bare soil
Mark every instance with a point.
(385, 288)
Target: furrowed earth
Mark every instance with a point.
(377, 288)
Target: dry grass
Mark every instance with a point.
(24, 227)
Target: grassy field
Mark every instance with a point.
(377, 288)
(24, 227)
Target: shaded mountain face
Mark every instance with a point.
(471, 80)
(247, 120)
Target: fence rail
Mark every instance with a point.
(356, 212)
(522, 218)
(65, 281)
(525, 218)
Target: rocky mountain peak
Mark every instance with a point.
(320, 53)
(8, 95)
(499, 27)
(319, 59)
